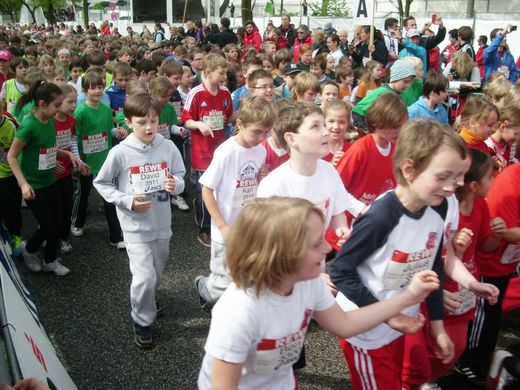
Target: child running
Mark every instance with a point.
(507, 134)
(258, 326)
(138, 176)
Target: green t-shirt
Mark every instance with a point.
(362, 106)
(120, 121)
(7, 130)
(94, 133)
(167, 118)
(38, 157)
(24, 112)
(411, 94)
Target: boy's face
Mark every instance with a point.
(196, 63)
(306, 57)
(125, 58)
(250, 69)
(311, 139)
(317, 71)
(144, 127)
(165, 97)
(59, 78)
(64, 59)
(308, 96)
(21, 69)
(216, 76)
(251, 134)
(121, 81)
(439, 97)
(266, 65)
(147, 77)
(75, 73)
(336, 124)
(263, 87)
(175, 80)
(186, 79)
(438, 180)
(95, 93)
(330, 92)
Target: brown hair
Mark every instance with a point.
(342, 72)
(257, 75)
(170, 68)
(122, 69)
(256, 110)
(478, 108)
(140, 105)
(135, 86)
(387, 112)
(160, 86)
(290, 117)
(303, 82)
(336, 105)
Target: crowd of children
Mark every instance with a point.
(294, 159)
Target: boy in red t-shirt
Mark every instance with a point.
(206, 113)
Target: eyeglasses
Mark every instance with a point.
(301, 32)
(266, 87)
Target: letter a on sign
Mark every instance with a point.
(364, 12)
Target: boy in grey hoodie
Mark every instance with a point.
(138, 176)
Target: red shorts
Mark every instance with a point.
(374, 368)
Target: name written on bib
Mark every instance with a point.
(148, 178)
(95, 143)
(63, 139)
(47, 158)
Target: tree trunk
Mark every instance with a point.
(50, 14)
(401, 11)
(31, 10)
(85, 14)
(247, 13)
(281, 7)
(325, 7)
(407, 9)
(223, 7)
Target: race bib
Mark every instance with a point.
(95, 143)
(245, 192)
(215, 120)
(3, 155)
(403, 266)
(504, 70)
(47, 159)
(11, 106)
(63, 139)
(468, 300)
(511, 254)
(148, 178)
(164, 130)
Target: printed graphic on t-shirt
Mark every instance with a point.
(403, 266)
(148, 178)
(47, 158)
(273, 354)
(3, 155)
(246, 185)
(95, 143)
(503, 69)
(368, 197)
(511, 254)
(63, 139)
(215, 120)
(164, 130)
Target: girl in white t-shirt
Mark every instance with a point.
(259, 324)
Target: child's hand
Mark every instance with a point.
(462, 240)
(499, 161)
(342, 233)
(169, 183)
(140, 204)
(264, 171)
(76, 162)
(422, 284)
(487, 291)
(452, 301)
(184, 133)
(498, 227)
(337, 156)
(121, 133)
(28, 192)
(332, 287)
(205, 129)
(84, 169)
(445, 349)
(60, 168)
(406, 324)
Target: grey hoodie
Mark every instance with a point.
(133, 168)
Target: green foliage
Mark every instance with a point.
(330, 8)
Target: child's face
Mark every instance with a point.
(439, 97)
(389, 134)
(306, 57)
(3, 65)
(232, 54)
(247, 71)
(49, 69)
(510, 134)
(331, 63)
(216, 76)
(165, 97)
(270, 49)
(186, 80)
(308, 96)
(190, 44)
(59, 78)
(439, 180)
(144, 127)
(95, 93)
(485, 128)
(348, 80)
(312, 137)
(175, 80)
(68, 105)
(282, 65)
(147, 77)
(336, 124)
(331, 44)
(49, 110)
(121, 80)
(401, 85)
(482, 186)
(317, 71)
(196, 63)
(376, 73)
(266, 65)
(330, 92)
(264, 88)
(64, 59)
(21, 69)
(75, 73)
(251, 134)
(419, 73)
(126, 57)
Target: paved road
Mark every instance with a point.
(86, 315)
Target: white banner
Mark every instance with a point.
(363, 12)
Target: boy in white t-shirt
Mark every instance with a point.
(229, 183)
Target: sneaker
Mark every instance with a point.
(504, 372)
(120, 245)
(205, 239)
(56, 267)
(76, 232)
(200, 284)
(179, 202)
(30, 259)
(472, 375)
(65, 247)
(430, 386)
(143, 336)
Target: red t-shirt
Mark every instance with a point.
(478, 223)
(273, 159)
(214, 110)
(504, 201)
(64, 133)
(328, 157)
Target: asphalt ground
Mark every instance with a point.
(87, 317)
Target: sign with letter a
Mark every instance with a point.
(363, 12)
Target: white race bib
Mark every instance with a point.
(95, 143)
(148, 178)
(63, 139)
(215, 120)
(511, 254)
(164, 130)
(468, 300)
(245, 192)
(47, 159)
(403, 266)
(504, 70)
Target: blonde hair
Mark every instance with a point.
(387, 112)
(170, 68)
(511, 114)
(135, 86)
(336, 105)
(269, 241)
(415, 61)
(256, 109)
(303, 82)
(213, 61)
(419, 140)
(160, 86)
(463, 64)
(45, 60)
(67, 88)
(478, 108)
(498, 88)
(367, 72)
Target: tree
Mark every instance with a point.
(404, 9)
(10, 7)
(330, 8)
(49, 6)
(247, 12)
(223, 7)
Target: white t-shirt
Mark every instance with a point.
(324, 189)
(266, 333)
(233, 176)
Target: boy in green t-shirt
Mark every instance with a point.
(94, 133)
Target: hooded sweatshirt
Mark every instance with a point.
(132, 168)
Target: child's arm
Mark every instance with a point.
(12, 158)
(225, 375)
(498, 229)
(204, 128)
(350, 323)
(208, 197)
